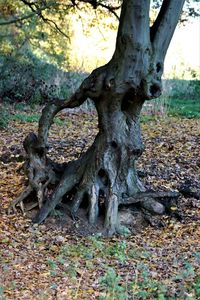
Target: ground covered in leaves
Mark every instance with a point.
(52, 261)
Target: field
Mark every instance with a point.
(55, 261)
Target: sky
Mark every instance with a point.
(185, 48)
(97, 49)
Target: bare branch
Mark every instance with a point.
(95, 4)
(111, 9)
(52, 24)
(37, 10)
(163, 28)
(16, 20)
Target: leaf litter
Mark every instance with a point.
(53, 261)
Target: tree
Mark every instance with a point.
(118, 90)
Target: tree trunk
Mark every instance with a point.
(118, 90)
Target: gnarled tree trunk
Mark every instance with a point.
(118, 90)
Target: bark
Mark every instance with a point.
(118, 89)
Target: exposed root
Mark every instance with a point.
(40, 173)
(78, 198)
(153, 206)
(152, 219)
(93, 204)
(66, 184)
(111, 218)
(88, 178)
(140, 197)
(19, 200)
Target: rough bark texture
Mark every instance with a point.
(118, 89)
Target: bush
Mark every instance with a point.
(181, 89)
(4, 117)
(25, 78)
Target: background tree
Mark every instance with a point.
(118, 90)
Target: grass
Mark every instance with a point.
(34, 117)
(170, 106)
(180, 98)
(184, 108)
(175, 107)
(147, 118)
(23, 117)
(139, 284)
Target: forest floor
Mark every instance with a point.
(54, 261)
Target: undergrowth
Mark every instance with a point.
(139, 284)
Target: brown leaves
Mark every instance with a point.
(171, 152)
(49, 262)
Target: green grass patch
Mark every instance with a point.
(188, 108)
(31, 118)
(26, 117)
(147, 118)
(141, 284)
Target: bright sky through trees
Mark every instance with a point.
(183, 53)
(184, 50)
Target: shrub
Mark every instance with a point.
(26, 78)
(4, 117)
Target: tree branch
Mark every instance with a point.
(49, 112)
(37, 10)
(95, 4)
(110, 9)
(52, 24)
(89, 88)
(163, 28)
(15, 20)
(134, 18)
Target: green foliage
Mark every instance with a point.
(139, 253)
(184, 89)
(196, 286)
(179, 98)
(26, 118)
(53, 266)
(23, 25)
(142, 287)
(147, 118)
(184, 108)
(23, 113)
(1, 294)
(77, 251)
(118, 250)
(4, 116)
(25, 78)
(111, 283)
(184, 98)
(31, 118)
